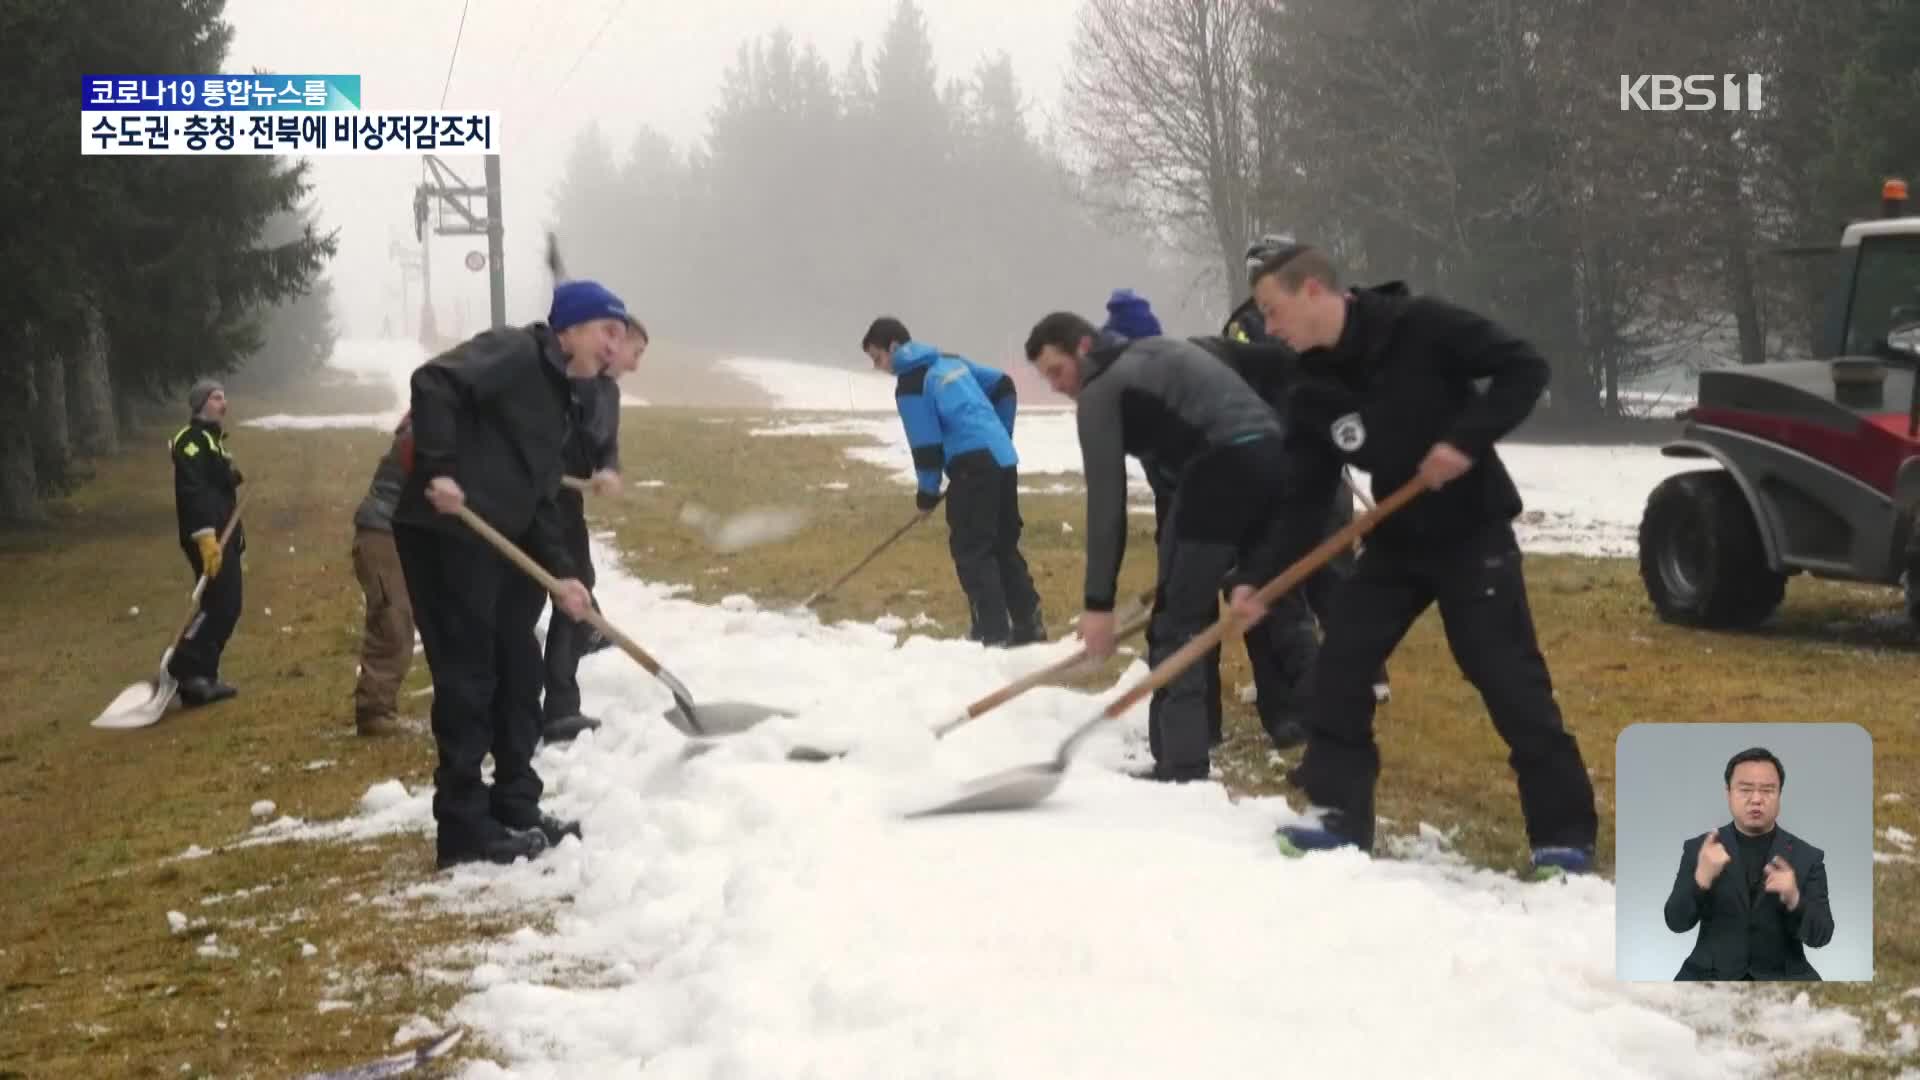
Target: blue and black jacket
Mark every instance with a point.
(998, 386)
(951, 406)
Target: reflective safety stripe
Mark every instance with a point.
(217, 445)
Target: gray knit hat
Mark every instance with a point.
(202, 390)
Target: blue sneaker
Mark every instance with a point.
(1556, 862)
(1296, 840)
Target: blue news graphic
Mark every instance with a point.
(220, 93)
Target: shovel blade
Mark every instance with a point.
(1018, 788)
(722, 718)
(809, 754)
(140, 705)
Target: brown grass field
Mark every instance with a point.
(93, 984)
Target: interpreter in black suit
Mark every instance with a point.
(1757, 891)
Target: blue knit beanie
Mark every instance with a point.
(1129, 315)
(575, 302)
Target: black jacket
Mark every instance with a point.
(494, 413)
(1401, 379)
(596, 427)
(1246, 324)
(205, 483)
(1270, 367)
(1751, 933)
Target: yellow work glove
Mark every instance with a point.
(209, 554)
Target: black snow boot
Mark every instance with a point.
(510, 844)
(201, 690)
(551, 828)
(1030, 629)
(567, 728)
(556, 830)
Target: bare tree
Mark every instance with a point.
(1161, 102)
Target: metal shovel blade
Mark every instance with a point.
(140, 705)
(1018, 788)
(810, 754)
(721, 718)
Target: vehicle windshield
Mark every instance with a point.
(1886, 292)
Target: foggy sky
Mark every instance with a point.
(656, 63)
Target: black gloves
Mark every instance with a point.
(925, 500)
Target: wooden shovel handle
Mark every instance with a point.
(552, 585)
(872, 555)
(1049, 673)
(1273, 590)
(1054, 670)
(1132, 626)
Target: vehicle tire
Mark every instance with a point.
(1912, 582)
(1701, 558)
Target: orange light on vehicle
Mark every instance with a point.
(1894, 191)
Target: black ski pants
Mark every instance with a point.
(983, 535)
(476, 614)
(1281, 650)
(567, 638)
(198, 655)
(1224, 504)
(1481, 591)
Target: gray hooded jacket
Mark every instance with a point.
(1165, 401)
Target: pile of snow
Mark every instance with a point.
(385, 809)
(737, 914)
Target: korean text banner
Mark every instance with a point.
(220, 93)
(426, 131)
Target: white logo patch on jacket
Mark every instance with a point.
(1349, 433)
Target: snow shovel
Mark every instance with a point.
(143, 703)
(1025, 786)
(872, 555)
(731, 533)
(1138, 614)
(714, 718)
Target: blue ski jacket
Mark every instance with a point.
(951, 406)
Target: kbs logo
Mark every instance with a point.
(1694, 93)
